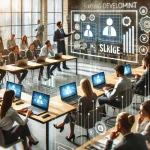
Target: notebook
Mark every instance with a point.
(21, 62)
(98, 81)
(128, 71)
(68, 93)
(17, 89)
(57, 56)
(39, 103)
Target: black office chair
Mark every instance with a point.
(2, 141)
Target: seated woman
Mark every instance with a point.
(130, 141)
(143, 125)
(86, 103)
(7, 118)
(24, 43)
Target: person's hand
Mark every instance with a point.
(62, 39)
(73, 31)
(24, 110)
(140, 119)
(137, 76)
(114, 135)
(105, 88)
(29, 113)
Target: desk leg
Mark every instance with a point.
(47, 136)
(76, 66)
(14, 78)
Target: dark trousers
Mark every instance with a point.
(22, 132)
(41, 71)
(50, 70)
(2, 74)
(24, 73)
(62, 50)
(105, 100)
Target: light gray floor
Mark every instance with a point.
(57, 140)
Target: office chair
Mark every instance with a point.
(94, 116)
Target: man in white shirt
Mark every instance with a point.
(47, 51)
(123, 84)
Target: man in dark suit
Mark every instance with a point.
(142, 85)
(31, 54)
(12, 58)
(130, 141)
(59, 37)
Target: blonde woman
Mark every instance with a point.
(143, 125)
(130, 141)
(86, 103)
(24, 43)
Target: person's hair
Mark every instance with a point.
(7, 102)
(126, 120)
(31, 44)
(86, 87)
(58, 23)
(119, 68)
(146, 106)
(23, 39)
(14, 47)
(47, 41)
(147, 59)
(13, 34)
(37, 36)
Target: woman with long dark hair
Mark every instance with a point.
(7, 118)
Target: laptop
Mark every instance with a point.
(98, 81)
(21, 62)
(39, 103)
(128, 71)
(40, 59)
(17, 89)
(57, 56)
(68, 93)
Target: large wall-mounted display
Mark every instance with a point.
(115, 31)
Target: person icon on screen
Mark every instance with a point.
(109, 30)
(88, 32)
(68, 91)
(39, 100)
(98, 80)
(13, 88)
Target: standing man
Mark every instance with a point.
(47, 51)
(40, 30)
(11, 42)
(59, 37)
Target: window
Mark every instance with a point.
(20, 18)
(54, 14)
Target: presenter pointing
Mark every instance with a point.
(59, 37)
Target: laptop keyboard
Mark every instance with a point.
(73, 99)
(36, 110)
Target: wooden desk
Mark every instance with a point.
(56, 109)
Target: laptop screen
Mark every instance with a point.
(40, 100)
(98, 79)
(16, 87)
(68, 90)
(127, 69)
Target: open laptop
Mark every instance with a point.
(128, 71)
(39, 103)
(21, 62)
(17, 89)
(98, 81)
(68, 93)
(57, 56)
(40, 59)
